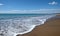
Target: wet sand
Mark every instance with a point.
(50, 28)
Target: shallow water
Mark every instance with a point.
(13, 24)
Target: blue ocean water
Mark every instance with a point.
(13, 24)
(8, 16)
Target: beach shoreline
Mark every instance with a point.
(49, 28)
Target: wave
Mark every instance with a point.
(21, 25)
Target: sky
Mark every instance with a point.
(29, 6)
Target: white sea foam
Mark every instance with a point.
(12, 27)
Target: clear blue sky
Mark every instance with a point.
(28, 4)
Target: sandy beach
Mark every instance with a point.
(50, 28)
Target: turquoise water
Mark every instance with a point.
(7, 16)
(24, 14)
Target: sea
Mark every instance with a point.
(13, 24)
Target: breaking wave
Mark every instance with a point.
(14, 26)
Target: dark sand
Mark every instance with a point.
(50, 28)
